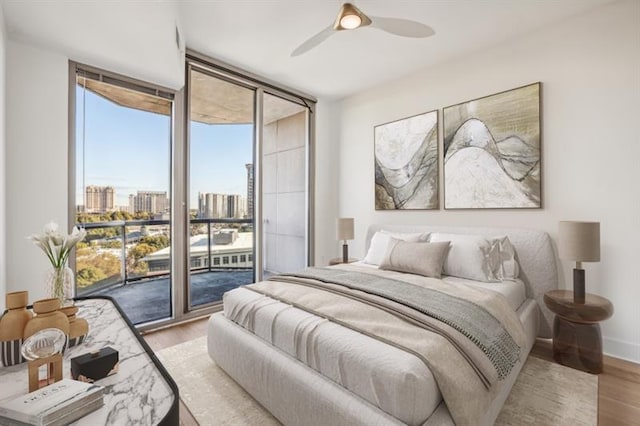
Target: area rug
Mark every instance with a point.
(544, 394)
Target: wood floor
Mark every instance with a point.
(618, 385)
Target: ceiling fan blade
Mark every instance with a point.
(313, 41)
(402, 27)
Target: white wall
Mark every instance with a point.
(326, 182)
(3, 260)
(37, 159)
(589, 67)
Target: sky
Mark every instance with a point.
(131, 151)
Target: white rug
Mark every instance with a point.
(544, 394)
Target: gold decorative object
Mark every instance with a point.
(78, 327)
(47, 316)
(12, 327)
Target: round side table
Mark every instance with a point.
(577, 340)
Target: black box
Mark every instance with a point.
(94, 366)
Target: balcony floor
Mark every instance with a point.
(149, 300)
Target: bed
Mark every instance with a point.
(309, 368)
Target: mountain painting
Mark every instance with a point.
(406, 163)
(492, 151)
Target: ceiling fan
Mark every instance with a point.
(351, 18)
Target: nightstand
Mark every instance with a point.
(338, 261)
(577, 341)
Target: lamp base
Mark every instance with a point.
(578, 286)
(345, 253)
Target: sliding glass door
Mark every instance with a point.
(221, 197)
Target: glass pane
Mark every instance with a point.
(221, 187)
(123, 146)
(284, 163)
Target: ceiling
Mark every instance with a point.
(138, 38)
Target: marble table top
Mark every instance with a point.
(138, 394)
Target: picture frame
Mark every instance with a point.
(492, 151)
(406, 153)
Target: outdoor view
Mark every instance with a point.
(123, 199)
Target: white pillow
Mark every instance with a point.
(415, 258)
(380, 242)
(473, 257)
(508, 269)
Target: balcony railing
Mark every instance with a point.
(120, 252)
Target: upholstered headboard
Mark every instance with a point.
(534, 253)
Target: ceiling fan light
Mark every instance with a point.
(350, 22)
(350, 18)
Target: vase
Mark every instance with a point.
(12, 327)
(78, 327)
(60, 284)
(48, 315)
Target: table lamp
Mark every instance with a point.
(344, 232)
(580, 242)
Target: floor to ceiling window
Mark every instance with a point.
(188, 194)
(123, 137)
(221, 151)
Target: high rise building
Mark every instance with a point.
(149, 201)
(212, 206)
(99, 199)
(236, 206)
(249, 210)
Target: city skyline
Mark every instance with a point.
(129, 150)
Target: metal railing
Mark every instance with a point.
(122, 236)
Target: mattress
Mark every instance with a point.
(389, 378)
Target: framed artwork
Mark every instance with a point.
(406, 163)
(492, 151)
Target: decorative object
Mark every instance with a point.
(95, 365)
(406, 163)
(44, 347)
(543, 390)
(580, 242)
(78, 327)
(577, 340)
(12, 327)
(62, 403)
(58, 247)
(47, 316)
(344, 232)
(492, 151)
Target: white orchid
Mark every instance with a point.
(57, 246)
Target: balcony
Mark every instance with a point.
(130, 261)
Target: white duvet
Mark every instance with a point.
(387, 377)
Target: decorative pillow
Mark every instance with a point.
(415, 258)
(473, 257)
(508, 268)
(380, 242)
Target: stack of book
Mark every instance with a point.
(58, 404)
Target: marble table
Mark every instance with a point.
(141, 393)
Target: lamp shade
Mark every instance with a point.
(344, 228)
(579, 241)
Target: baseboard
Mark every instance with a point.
(623, 350)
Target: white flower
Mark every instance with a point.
(57, 246)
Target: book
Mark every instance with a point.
(59, 403)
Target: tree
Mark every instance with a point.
(158, 241)
(134, 264)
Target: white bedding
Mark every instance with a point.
(387, 377)
(514, 291)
